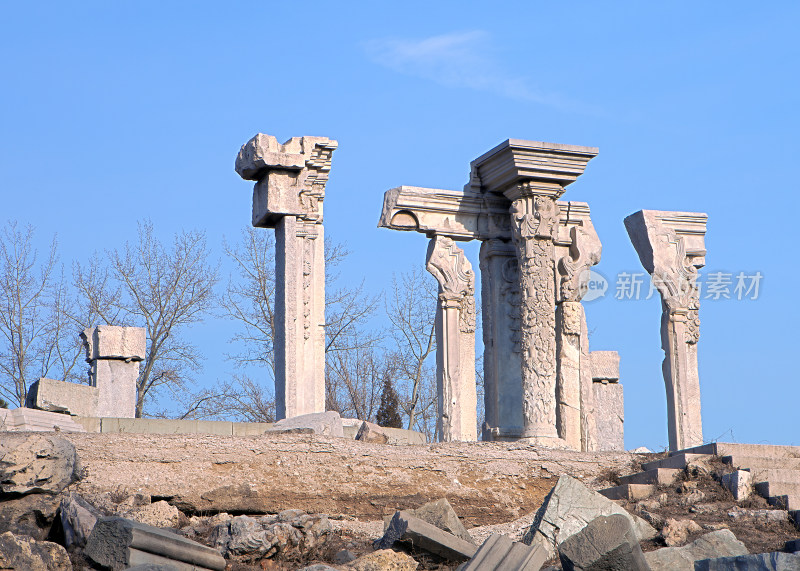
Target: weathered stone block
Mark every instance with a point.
(441, 514)
(567, 509)
(77, 520)
(60, 396)
(114, 342)
(739, 483)
(118, 543)
(776, 561)
(116, 385)
(422, 535)
(609, 412)
(605, 365)
(369, 432)
(37, 463)
(20, 552)
(323, 423)
(607, 542)
(499, 553)
(715, 544)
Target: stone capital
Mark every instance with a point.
(547, 166)
(448, 264)
(290, 177)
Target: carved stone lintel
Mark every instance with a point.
(455, 340)
(671, 248)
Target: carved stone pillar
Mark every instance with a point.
(533, 220)
(575, 414)
(502, 361)
(288, 195)
(671, 247)
(455, 340)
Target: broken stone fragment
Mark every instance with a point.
(499, 553)
(607, 542)
(383, 560)
(775, 561)
(720, 543)
(21, 552)
(567, 509)
(77, 517)
(37, 463)
(117, 543)
(422, 535)
(441, 514)
(323, 423)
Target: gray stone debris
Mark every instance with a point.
(441, 514)
(369, 432)
(792, 546)
(77, 520)
(607, 542)
(323, 423)
(37, 463)
(25, 553)
(715, 544)
(383, 560)
(776, 561)
(30, 515)
(422, 535)
(499, 553)
(118, 543)
(567, 509)
(290, 533)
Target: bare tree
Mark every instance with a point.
(411, 309)
(163, 288)
(37, 333)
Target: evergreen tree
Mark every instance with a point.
(389, 409)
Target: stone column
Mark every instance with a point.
(113, 354)
(608, 401)
(502, 361)
(671, 247)
(288, 196)
(455, 340)
(533, 219)
(575, 413)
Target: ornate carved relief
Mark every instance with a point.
(584, 252)
(448, 264)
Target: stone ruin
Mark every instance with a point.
(288, 195)
(113, 354)
(541, 382)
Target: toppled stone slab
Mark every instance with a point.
(607, 542)
(37, 463)
(77, 518)
(370, 432)
(499, 553)
(792, 546)
(20, 552)
(118, 543)
(568, 508)
(422, 535)
(289, 534)
(63, 397)
(776, 561)
(383, 560)
(323, 423)
(441, 514)
(715, 544)
(25, 419)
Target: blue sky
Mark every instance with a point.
(115, 112)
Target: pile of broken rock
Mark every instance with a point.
(45, 526)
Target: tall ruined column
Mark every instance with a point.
(455, 340)
(288, 195)
(574, 392)
(671, 247)
(533, 221)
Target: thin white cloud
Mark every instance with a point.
(460, 60)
